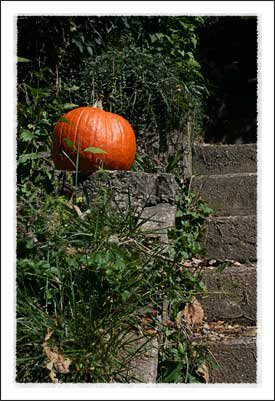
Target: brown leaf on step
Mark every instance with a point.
(78, 211)
(251, 331)
(150, 331)
(53, 378)
(56, 362)
(48, 336)
(203, 372)
(70, 250)
(146, 321)
(187, 263)
(193, 313)
(146, 324)
(196, 261)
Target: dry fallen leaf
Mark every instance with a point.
(196, 261)
(70, 251)
(187, 263)
(203, 372)
(193, 313)
(56, 362)
(78, 211)
(146, 324)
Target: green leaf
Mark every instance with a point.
(27, 135)
(65, 120)
(153, 38)
(94, 150)
(72, 88)
(39, 93)
(179, 213)
(67, 106)
(23, 60)
(27, 156)
(90, 50)
(125, 295)
(70, 143)
(78, 44)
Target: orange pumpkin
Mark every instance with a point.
(95, 138)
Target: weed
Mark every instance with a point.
(88, 279)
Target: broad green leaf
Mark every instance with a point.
(67, 106)
(153, 38)
(27, 135)
(23, 60)
(94, 150)
(65, 120)
(179, 213)
(78, 44)
(69, 143)
(125, 295)
(39, 93)
(90, 50)
(72, 88)
(27, 156)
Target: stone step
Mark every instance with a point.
(229, 194)
(134, 190)
(143, 368)
(232, 237)
(236, 359)
(157, 220)
(232, 294)
(224, 159)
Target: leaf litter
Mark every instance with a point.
(56, 363)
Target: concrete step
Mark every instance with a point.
(143, 367)
(228, 194)
(134, 190)
(236, 359)
(232, 294)
(232, 237)
(224, 159)
(158, 220)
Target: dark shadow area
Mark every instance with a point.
(228, 56)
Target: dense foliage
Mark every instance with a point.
(145, 68)
(92, 282)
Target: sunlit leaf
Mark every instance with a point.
(91, 149)
(70, 143)
(90, 50)
(23, 60)
(27, 135)
(67, 106)
(65, 120)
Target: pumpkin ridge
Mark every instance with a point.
(96, 131)
(76, 128)
(113, 139)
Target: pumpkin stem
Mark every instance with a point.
(98, 103)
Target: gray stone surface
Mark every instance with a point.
(232, 294)
(132, 189)
(231, 237)
(144, 367)
(167, 188)
(223, 159)
(158, 220)
(236, 358)
(228, 194)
